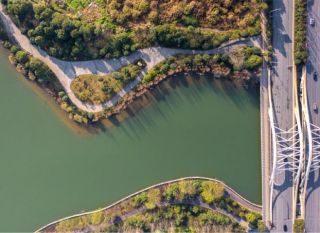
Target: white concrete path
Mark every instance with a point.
(66, 71)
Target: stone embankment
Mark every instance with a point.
(66, 71)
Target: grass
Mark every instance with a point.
(97, 89)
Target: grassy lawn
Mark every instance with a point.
(98, 89)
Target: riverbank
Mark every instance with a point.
(195, 191)
(183, 117)
(66, 71)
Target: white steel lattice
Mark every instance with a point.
(287, 149)
(315, 162)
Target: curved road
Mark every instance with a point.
(66, 71)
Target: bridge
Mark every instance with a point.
(291, 131)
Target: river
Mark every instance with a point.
(189, 126)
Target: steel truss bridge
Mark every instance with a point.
(287, 149)
(295, 150)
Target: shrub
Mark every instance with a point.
(211, 191)
(140, 199)
(261, 226)
(298, 226)
(14, 49)
(154, 198)
(252, 219)
(21, 56)
(253, 62)
(172, 191)
(97, 218)
(189, 189)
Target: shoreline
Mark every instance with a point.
(243, 77)
(231, 192)
(144, 88)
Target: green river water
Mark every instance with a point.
(49, 169)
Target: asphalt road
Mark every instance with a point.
(312, 214)
(282, 94)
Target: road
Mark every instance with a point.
(312, 213)
(265, 126)
(282, 94)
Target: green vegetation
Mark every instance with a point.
(267, 11)
(300, 32)
(298, 226)
(83, 29)
(3, 34)
(35, 70)
(177, 206)
(221, 65)
(176, 218)
(261, 226)
(97, 89)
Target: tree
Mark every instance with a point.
(20, 9)
(39, 68)
(21, 56)
(211, 191)
(253, 62)
(252, 218)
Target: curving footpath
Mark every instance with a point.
(231, 192)
(99, 227)
(66, 71)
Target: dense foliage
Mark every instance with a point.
(298, 226)
(37, 71)
(172, 207)
(97, 89)
(83, 29)
(3, 34)
(218, 64)
(300, 32)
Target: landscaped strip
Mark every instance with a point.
(298, 226)
(300, 32)
(189, 203)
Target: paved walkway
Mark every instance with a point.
(66, 71)
(230, 192)
(140, 210)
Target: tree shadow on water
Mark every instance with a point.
(137, 118)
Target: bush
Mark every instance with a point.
(154, 198)
(253, 62)
(298, 226)
(261, 226)
(21, 56)
(252, 219)
(140, 199)
(14, 49)
(171, 193)
(97, 218)
(211, 191)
